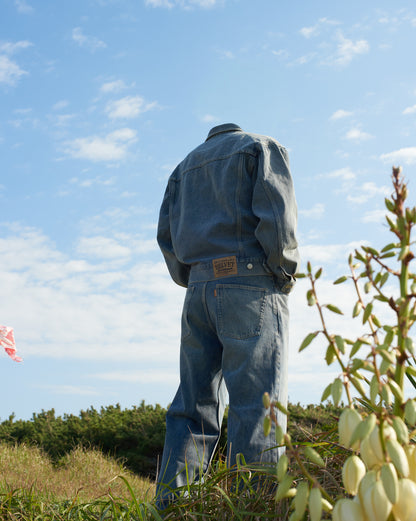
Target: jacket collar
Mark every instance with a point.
(227, 127)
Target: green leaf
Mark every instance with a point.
(367, 286)
(318, 274)
(373, 389)
(336, 391)
(339, 341)
(408, 344)
(307, 340)
(384, 279)
(300, 275)
(359, 256)
(267, 426)
(387, 255)
(355, 347)
(330, 355)
(327, 392)
(389, 205)
(334, 309)
(357, 309)
(367, 312)
(341, 280)
(396, 390)
(376, 321)
(312, 455)
(389, 247)
(381, 298)
(358, 385)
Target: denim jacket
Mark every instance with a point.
(231, 196)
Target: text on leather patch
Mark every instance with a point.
(225, 266)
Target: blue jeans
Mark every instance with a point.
(234, 337)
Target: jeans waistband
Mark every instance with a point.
(230, 266)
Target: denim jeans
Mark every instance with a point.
(235, 338)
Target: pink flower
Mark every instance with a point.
(7, 341)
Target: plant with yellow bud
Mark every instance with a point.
(377, 428)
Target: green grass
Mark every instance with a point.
(87, 485)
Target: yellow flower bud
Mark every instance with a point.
(266, 400)
(411, 458)
(404, 508)
(352, 473)
(401, 430)
(410, 412)
(368, 481)
(282, 467)
(267, 425)
(301, 499)
(398, 457)
(348, 421)
(388, 433)
(347, 510)
(367, 454)
(283, 488)
(390, 481)
(377, 506)
(279, 434)
(315, 504)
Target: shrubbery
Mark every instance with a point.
(135, 435)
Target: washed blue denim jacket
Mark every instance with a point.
(231, 196)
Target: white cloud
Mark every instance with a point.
(315, 30)
(347, 50)
(12, 48)
(316, 212)
(69, 389)
(67, 307)
(346, 174)
(128, 107)
(152, 376)
(23, 7)
(374, 216)
(340, 114)
(103, 248)
(10, 71)
(59, 105)
(181, 3)
(228, 55)
(356, 134)
(113, 86)
(328, 254)
(87, 183)
(410, 110)
(160, 3)
(362, 194)
(208, 118)
(90, 42)
(403, 155)
(111, 147)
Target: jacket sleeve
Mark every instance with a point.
(274, 204)
(178, 271)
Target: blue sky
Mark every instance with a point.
(100, 99)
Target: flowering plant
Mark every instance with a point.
(378, 426)
(8, 342)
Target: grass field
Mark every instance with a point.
(86, 485)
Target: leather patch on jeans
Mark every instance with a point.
(225, 266)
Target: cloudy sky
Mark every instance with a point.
(100, 99)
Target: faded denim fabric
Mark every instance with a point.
(233, 195)
(227, 231)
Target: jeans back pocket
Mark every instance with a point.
(240, 310)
